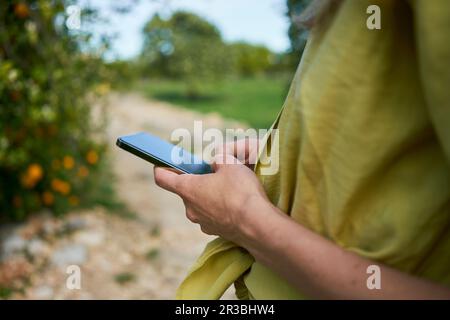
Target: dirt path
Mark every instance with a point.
(141, 258)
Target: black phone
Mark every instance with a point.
(162, 153)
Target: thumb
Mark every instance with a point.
(222, 160)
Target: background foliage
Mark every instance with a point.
(52, 155)
(49, 156)
(297, 35)
(185, 46)
(189, 48)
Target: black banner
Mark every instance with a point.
(267, 309)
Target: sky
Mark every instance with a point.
(254, 21)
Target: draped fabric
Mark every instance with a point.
(364, 144)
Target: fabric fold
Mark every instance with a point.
(221, 263)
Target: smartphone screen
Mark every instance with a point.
(163, 153)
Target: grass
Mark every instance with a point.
(155, 231)
(152, 254)
(125, 277)
(5, 293)
(255, 101)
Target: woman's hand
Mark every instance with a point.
(231, 203)
(217, 201)
(245, 150)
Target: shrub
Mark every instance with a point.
(48, 154)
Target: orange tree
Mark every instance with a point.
(48, 154)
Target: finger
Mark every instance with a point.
(226, 148)
(172, 169)
(240, 149)
(222, 160)
(168, 179)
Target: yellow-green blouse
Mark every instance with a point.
(364, 142)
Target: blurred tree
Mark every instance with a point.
(123, 73)
(251, 60)
(48, 156)
(297, 35)
(185, 47)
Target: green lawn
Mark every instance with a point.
(255, 101)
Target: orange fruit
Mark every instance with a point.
(61, 186)
(83, 172)
(32, 176)
(21, 10)
(68, 162)
(48, 198)
(35, 172)
(92, 157)
(27, 182)
(55, 184)
(65, 188)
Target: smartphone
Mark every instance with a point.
(163, 153)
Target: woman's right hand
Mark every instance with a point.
(245, 150)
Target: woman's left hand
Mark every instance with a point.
(217, 201)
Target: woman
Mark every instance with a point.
(364, 175)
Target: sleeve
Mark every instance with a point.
(432, 33)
